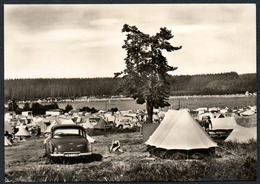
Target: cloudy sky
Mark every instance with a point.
(79, 41)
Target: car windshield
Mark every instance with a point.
(61, 132)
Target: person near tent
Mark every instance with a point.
(207, 123)
(47, 139)
(115, 146)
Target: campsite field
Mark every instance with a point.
(24, 162)
(190, 102)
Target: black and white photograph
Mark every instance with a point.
(130, 92)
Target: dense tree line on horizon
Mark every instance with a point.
(204, 84)
(40, 109)
(211, 84)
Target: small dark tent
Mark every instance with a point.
(97, 122)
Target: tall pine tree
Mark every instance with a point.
(145, 76)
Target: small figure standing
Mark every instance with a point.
(207, 123)
(115, 146)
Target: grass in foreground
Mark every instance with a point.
(234, 162)
(203, 170)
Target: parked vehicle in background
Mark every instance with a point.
(123, 122)
(67, 140)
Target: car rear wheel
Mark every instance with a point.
(65, 161)
(50, 160)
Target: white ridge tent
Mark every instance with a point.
(7, 142)
(228, 123)
(109, 117)
(79, 119)
(248, 113)
(48, 129)
(179, 131)
(22, 132)
(87, 125)
(242, 134)
(66, 121)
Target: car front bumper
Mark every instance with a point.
(70, 154)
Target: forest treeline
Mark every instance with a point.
(204, 84)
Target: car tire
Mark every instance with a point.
(120, 126)
(50, 160)
(65, 161)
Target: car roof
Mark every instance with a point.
(66, 126)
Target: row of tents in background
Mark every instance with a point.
(24, 126)
(93, 121)
(134, 116)
(18, 127)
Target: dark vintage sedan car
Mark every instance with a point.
(67, 140)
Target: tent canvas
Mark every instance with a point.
(242, 134)
(246, 121)
(87, 124)
(22, 132)
(65, 121)
(179, 131)
(148, 129)
(97, 122)
(48, 129)
(79, 120)
(109, 117)
(7, 142)
(41, 124)
(228, 123)
(248, 113)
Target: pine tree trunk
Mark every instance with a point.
(149, 108)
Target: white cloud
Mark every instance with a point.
(104, 22)
(185, 29)
(79, 40)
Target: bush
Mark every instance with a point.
(88, 109)
(39, 109)
(68, 108)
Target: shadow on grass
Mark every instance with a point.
(87, 159)
(94, 132)
(197, 154)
